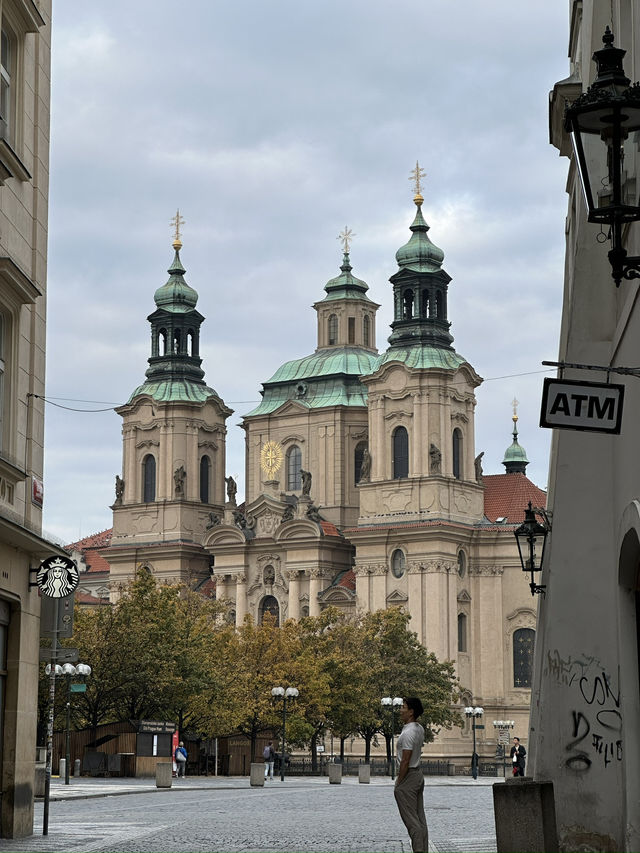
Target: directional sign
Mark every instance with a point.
(588, 406)
(78, 688)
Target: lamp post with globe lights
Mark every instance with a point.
(393, 704)
(284, 694)
(474, 713)
(502, 728)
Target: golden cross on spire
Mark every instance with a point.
(176, 223)
(416, 175)
(515, 405)
(345, 238)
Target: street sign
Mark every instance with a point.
(78, 688)
(587, 406)
(57, 577)
(62, 655)
(64, 609)
(481, 726)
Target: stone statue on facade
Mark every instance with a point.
(179, 477)
(232, 490)
(119, 490)
(287, 515)
(477, 463)
(306, 482)
(313, 513)
(365, 468)
(214, 520)
(435, 459)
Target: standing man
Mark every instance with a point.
(181, 759)
(269, 756)
(409, 786)
(518, 753)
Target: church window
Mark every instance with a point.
(523, 643)
(149, 479)
(332, 328)
(357, 460)
(462, 563)
(398, 563)
(270, 605)
(294, 464)
(439, 305)
(407, 305)
(400, 453)
(424, 307)
(457, 454)
(190, 342)
(7, 90)
(462, 632)
(304, 610)
(205, 468)
(366, 331)
(231, 617)
(162, 342)
(352, 330)
(176, 341)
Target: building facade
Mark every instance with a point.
(585, 726)
(363, 486)
(24, 181)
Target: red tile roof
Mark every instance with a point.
(88, 599)
(329, 529)
(90, 547)
(348, 580)
(507, 496)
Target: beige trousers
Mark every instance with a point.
(409, 797)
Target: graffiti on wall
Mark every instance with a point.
(595, 723)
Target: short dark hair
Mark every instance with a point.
(415, 705)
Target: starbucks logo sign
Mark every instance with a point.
(57, 577)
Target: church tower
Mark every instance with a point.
(174, 437)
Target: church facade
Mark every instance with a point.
(363, 486)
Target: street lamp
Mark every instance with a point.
(392, 704)
(70, 671)
(609, 111)
(289, 693)
(529, 536)
(502, 727)
(474, 713)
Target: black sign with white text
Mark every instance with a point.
(590, 406)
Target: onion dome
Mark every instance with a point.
(419, 254)
(176, 295)
(515, 458)
(345, 285)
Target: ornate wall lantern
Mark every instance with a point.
(609, 113)
(531, 537)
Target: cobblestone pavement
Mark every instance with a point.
(228, 816)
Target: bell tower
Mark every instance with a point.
(173, 458)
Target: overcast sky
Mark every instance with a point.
(272, 125)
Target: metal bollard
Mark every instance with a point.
(76, 767)
(63, 768)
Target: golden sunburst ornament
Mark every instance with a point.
(271, 458)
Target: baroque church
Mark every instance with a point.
(363, 489)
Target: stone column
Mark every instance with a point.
(416, 438)
(435, 605)
(362, 588)
(241, 597)
(378, 439)
(294, 594)
(315, 586)
(415, 601)
(193, 467)
(132, 485)
(379, 586)
(163, 463)
(489, 635)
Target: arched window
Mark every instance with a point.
(462, 632)
(400, 453)
(398, 563)
(366, 330)
(357, 460)
(190, 342)
(523, 643)
(294, 464)
(205, 468)
(176, 341)
(332, 327)
(162, 342)
(270, 605)
(407, 305)
(457, 454)
(351, 333)
(149, 479)
(424, 307)
(304, 610)
(462, 563)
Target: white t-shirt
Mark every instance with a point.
(411, 737)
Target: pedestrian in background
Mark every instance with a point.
(409, 788)
(518, 753)
(181, 759)
(269, 756)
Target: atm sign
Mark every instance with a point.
(590, 406)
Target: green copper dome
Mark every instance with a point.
(176, 295)
(419, 254)
(420, 356)
(346, 285)
(515, 458)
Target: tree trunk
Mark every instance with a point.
(314, 752)
(367, 748)
(342, 740)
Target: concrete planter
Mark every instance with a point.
(163, 774)
(364, 774)
(257, 774)
(335, 774)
